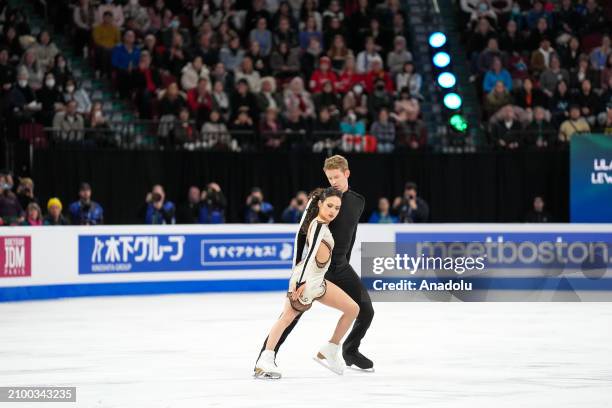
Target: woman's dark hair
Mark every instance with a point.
(318, 194)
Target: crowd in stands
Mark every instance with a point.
(298, 74)
(543, 68)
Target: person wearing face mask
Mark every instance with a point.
(21, 103)
(51, 99)
(71, 92)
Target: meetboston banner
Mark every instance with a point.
(591, 178)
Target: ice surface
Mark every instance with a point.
(198, 350)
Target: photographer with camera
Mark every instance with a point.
(212, 206)
(410, 208)
(156, 209)
(25, 192)
(258, 210)
(293, 213)
(86, 211)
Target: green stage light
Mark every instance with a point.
(458, 123)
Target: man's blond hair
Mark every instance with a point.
(336, 162)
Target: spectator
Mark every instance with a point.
(293, 213)
(397, 58)
(8, 73)
(599, 55)
(257, 209)
(410, 207)
(552, 75)
(213, 204)
(125, 59)
(310, 31)
(193, 72)
(51, 99)
(262, 35)
(21, 100)
(297, 97)
(267, 97)
(560, 102)
(232, 55)
(497, 98)
(106, 36)
(529, 97)
(540, 133)
(575, 124)
(84, 20)
(384, 132)
(248, 73)
(295, 128)
(353, 131)
(115, 10)
(45, 51)
(30, 64)
(410, 79)
(138, 14)
(156, 209)
(11, 212)
(244, 98)
(382, 214)
(588, 101)
(411, 132)
(495, 74)
(220, 100)
(365, 57)
(200, 101)
(322, 75)
(68, 124)
(215, 135)
(33, 215)
(146, 82)
(379, 99)
(25, 192)
(260, 61)
(538, 214)
(606, 123)
(99, 126)
(61, 71)
(54, 213)
(326, 132)
(85, 211)
(189, 212)
(285, 34)
(377, 73)
(584, 71)
(270, 128)
(540, 58)
(328, 98)
(79, 95)
(348, 77)
(340, 54)
(507, 132)
(183, 132)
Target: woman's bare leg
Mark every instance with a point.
(338, 299)
(285, 319)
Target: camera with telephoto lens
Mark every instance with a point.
(156, 197)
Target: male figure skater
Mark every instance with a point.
(340, 272)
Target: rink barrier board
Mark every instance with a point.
(49, 275)
(43, 292)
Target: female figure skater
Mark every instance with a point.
(307, 284)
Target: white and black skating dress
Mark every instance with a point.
(309, 271)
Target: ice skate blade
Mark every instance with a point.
(262, 375)
(361, 370)
(324, 364)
